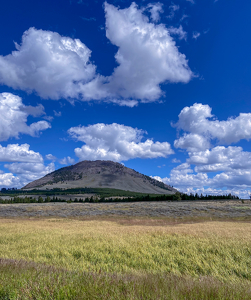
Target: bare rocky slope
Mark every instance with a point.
(101, 174)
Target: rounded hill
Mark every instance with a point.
(101, 174)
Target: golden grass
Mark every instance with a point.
(132, 245)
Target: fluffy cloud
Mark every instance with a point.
(13, 118)
(16, 153)
(23, 173)
(220, 158)
(8, 180)
(192, 142)
(47, 63)
(116, 142)
(235, 178)
(27, 165)
(185, 178)
(196, 120)
(30, 168)
(59, 67)
(182, 177)
(232, 164)
(67, 160)
(240, 191)
(208, 168)
(147, 55)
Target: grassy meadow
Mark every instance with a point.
(124, 258)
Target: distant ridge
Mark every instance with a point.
(101, 174)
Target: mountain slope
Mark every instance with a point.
(101, 174)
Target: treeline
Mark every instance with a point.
(101, 192)
(95, 199)
(208, 197)
(175, 197)
(30, 200)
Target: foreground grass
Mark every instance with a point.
(221, 250)
(22, 280)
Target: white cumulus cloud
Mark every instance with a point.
(47, 63)
(220, 158)
(30, 168)
(234, 178)
(182, 177)
(212, 168)
(57, 67)
(203, 128)
(19, 153)
(192, 142)
(13, 118)
(24, 165)
(23, 173)
(67, 160)
(8, 180)
(116, 142)
(147, 55)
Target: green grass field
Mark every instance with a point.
(124, 258)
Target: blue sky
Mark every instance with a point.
(163, 87)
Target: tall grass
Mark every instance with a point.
(220, 250)
(22, 280)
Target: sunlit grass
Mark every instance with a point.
(217, 249)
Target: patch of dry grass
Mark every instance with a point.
(132, 245)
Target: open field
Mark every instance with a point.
(218, 249)
(190, 250)
(181, 209)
